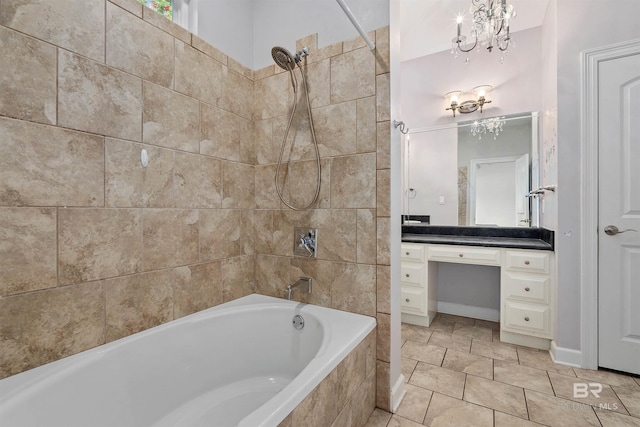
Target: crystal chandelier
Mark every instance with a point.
(492, 125)
(489, 26)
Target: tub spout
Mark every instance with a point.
(303, 281)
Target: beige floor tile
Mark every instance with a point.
(521, 376)
(606, 377)
(378, 418)
(487, 324)
(506, 420)
(445, 411)
(406, 367)
(452, 318)
(630, 397)
(415, 403)
(438, 379)
(423, 352)
(475, 332)
(540, 359)
(415, 333)
(397, 421)
(468, 363)
(494, 350)
(557, 412)
(614, 419)
(455, 342)
(563, 386)
(495, 395)
(446, 327)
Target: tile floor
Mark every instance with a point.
(458, 373)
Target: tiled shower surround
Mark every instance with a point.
(94, 247)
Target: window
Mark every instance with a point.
(163, 7)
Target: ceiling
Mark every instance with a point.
(427, 26)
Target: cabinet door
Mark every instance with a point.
(464, 255)
(529, 319)
(526, 287)
(413, 273)
(413, 300)
(532, 261)
(412, 252)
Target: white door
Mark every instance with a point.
(619, 206)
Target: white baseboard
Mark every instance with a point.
(397, 393)
(483, 313)
(565, 356)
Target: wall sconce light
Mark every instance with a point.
(453, 98)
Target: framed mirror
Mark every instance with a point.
(475, 173)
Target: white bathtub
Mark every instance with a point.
(240, 363)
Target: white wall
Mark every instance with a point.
(229, 26)
(282, 22)
(581, 25)
(516, 83)
(472, 285)
(246, 30)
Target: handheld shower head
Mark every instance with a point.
(283, 58)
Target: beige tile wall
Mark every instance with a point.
(93, 247)
(350, 96)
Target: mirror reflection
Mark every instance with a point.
(476, 173)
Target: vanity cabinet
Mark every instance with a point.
(418, 298)
(527, 313)
(525, 294)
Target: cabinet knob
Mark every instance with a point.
(407, 299)
(526, 319)
(527, 262)
(527, 289)
(460, 255)
(407, 253)
(407, 275)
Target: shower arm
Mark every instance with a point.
(356, 24)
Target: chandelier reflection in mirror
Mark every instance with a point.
(492, 125)
(489, 26)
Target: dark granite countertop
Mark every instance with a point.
(503, 237)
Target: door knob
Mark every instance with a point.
(612, 230)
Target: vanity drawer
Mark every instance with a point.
(412, 252)
(464, 255)
(537, 262)
(412, 273)
(527, 317)
(412, 300)
(528, 287)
